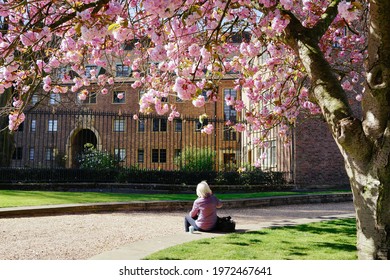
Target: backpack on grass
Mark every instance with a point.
(226, 224)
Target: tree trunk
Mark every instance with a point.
(372, 204)
(371, 181)
(7, 145)
(364, 144)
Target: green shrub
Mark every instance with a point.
(196, 159)
(91, 158)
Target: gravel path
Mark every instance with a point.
(78, 237)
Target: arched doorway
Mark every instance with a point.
(80, 139)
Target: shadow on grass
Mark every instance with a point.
(345, 227)
(338, 246)
(334, 239)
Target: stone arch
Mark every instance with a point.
(76, 141)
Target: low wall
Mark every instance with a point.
(159, 188)
(167, 205)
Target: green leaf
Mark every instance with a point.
(114, 26)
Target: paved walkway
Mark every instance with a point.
(247, 220)
(248, 214)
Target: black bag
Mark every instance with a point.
(226, 224)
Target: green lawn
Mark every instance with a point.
(330, 240)
(13, 198)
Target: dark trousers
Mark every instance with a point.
(189, 221)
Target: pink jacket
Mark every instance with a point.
(206, 210)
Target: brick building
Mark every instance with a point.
(56, 137)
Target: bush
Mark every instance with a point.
(179, 177)
(94, 159)
(196, 159)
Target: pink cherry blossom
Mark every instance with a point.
(199, 101)
(240, 127)
(184, 88)
(15, 119)
(347, 11)
(194, 50)
(346, 85)
(208, 129)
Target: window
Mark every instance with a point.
(159, 155)
(91, 99)
(159, 125)
(178, 125)
(62, 72)
(270, 154)
(33, 126)
(31, 154)
(229, 113)
(122, 70)
(120, 154)
(50, 154)
(89, 69)
(55, 99)
(229, 134)
(119, 125)
(229, 160)
(18, 153)
(119, 97)
(199, 125)
(52, 126)
(141, 156)
(141, 125)
(34, 99)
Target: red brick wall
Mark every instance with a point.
(318, 160)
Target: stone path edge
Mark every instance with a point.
(90, 208)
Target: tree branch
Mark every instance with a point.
(326, 87)
(327, 18)
(96, 5)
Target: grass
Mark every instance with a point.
(15, 198)
(329, 240)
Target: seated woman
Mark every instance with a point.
(203, 216)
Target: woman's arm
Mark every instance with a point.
(195, 210)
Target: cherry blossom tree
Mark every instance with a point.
(304, 57)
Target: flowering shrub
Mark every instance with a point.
(91, 158)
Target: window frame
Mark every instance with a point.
(52, 126)
(120, 71)
(229, 113)
(122, 154)
(159, 155)
(116, 100)
(159, 125)
(119, 125)
(54, 98)
(141, 156)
